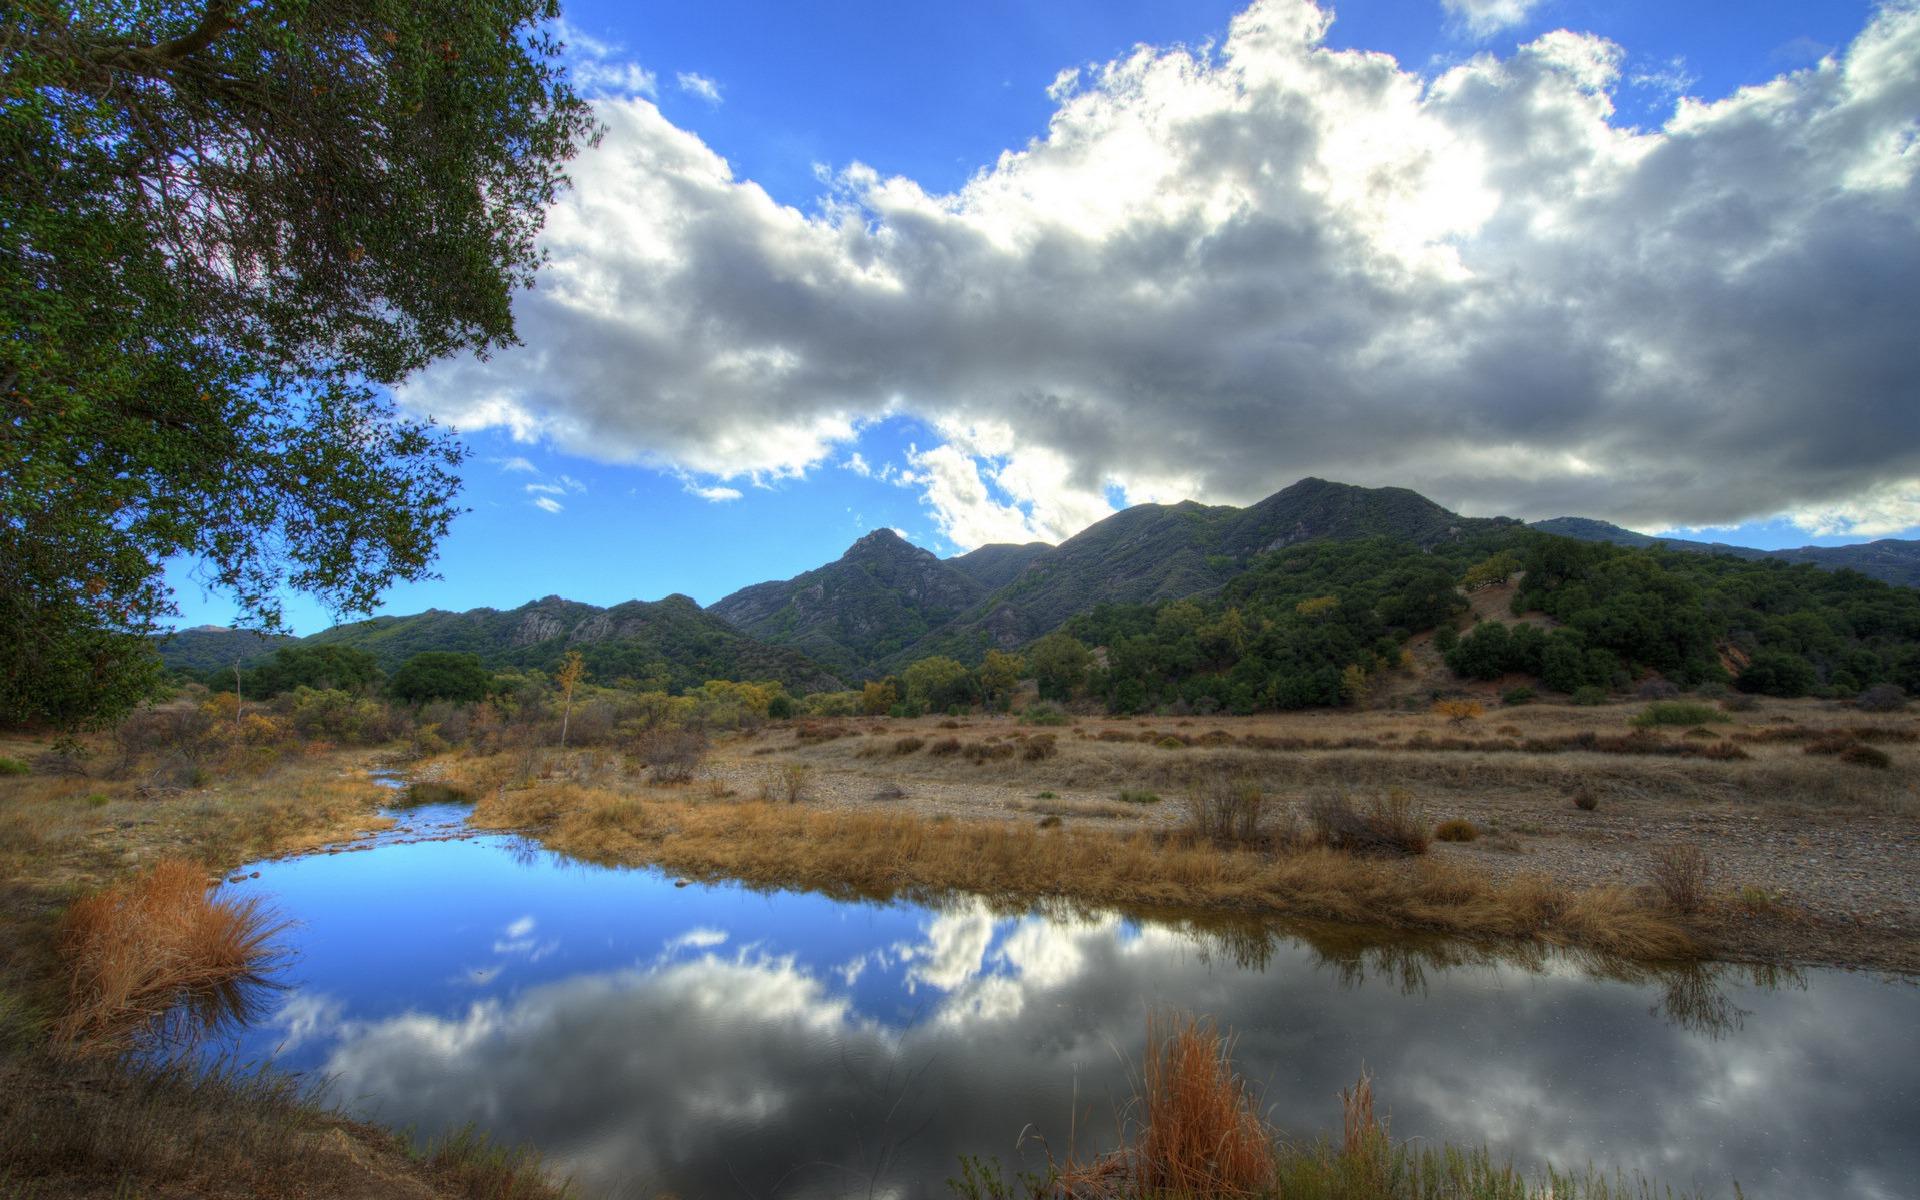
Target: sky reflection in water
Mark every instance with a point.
(717, 1041)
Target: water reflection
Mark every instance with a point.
(703, 1040)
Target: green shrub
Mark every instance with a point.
(1589, 696)
(1676, 712)
(1517, 695)
(13, 766)
(1137, 796)
(1044, 714)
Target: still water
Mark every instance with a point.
(718, 1041)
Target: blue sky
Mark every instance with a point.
(851, 129)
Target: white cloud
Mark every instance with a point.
(548, 504)
(1220, 270)
(1483, 18)
(1880, 512)
(716, 494)
(517, 463)
(695, 84)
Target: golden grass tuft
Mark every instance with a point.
(1202, 1133)
(158, 947)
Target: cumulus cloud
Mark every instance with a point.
(1483, 18)
(1220, 270)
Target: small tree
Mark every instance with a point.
(938, 683)
(878, 696)
(567, 678)
(998, 674)
(1060, 663)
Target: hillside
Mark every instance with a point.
(670, 643)
(1889, 560)
(881, 596)
(216, 647)
(885, 603)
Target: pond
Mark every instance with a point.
(653, 1037)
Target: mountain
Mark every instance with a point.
(671, 643)
(216, 647)
(881, 596)
(885, 603)
(1889, 559)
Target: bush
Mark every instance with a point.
(1226, 808)
(792, 782)
(1517, 695)
(1680, 873)
(1589, 696)
(945, 746)
(1585, 800)
(1777, 673)
(1458, 712)
(13, 766)
(1676, 712)
(1390, 825)
(907, 745)
(1866, 756)
(1044, 713)
(1459, 829)
(675, 752)
(1881, 698)
(1126, 796)
(1738, 702)
(1039, 747)
(1657, 689)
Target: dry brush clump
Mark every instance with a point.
(1681, 873)
(1226, 808)
(161, 955)
(1389, 824)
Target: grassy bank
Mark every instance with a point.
(112, 940)
(879, 854)
(1195, 1130)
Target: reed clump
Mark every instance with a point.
(160, 948)
(1197, 1133)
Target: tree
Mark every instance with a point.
(221, 230)
(323, 667)
(938, 683)
(878, 696)
(998, 674)
(440, 675)
(572, 669)
(1059, 662)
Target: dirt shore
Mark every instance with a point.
(1812, 860)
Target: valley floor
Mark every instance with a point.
(1808, 858)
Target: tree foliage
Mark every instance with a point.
(440, 675)
(222, 228)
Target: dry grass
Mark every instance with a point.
(881, 853)
(70, 1129)
(161, 955)
(1456, 829)
(1681, 873)
(1390, 824)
